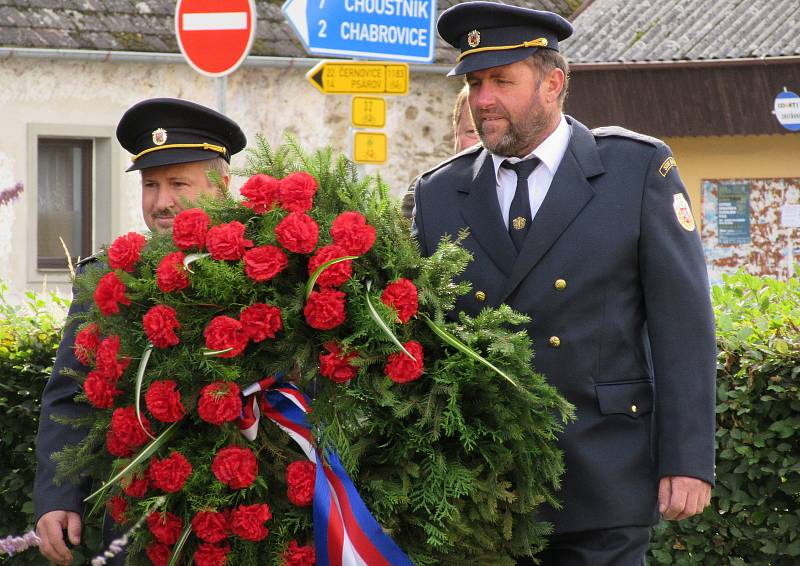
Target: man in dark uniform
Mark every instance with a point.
(590, 233)
(175, 143)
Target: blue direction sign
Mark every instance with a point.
(399, 30)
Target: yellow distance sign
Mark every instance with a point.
(359, 77)
(368, 112)
(369, 147)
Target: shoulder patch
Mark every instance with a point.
(473, 149)
(682, 212)
(616, 131)
(668, 164)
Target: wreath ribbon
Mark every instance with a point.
(345, 532)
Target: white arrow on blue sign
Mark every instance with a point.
(399, 30)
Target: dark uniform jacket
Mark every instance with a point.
(613, 276)
(58, 399)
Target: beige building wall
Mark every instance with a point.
(734, 157)
(77, 98)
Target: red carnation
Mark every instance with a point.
(297, 233)
(402, 369)
(159, 324)
(170, 473)
(189, 229)
(135, 486)
(208, 554)
(402, 296)
(224, 332)
(261, 321)
(300, 477)
(296, 191)
(125, 250)
(210, 526)
(334, 275)
(335, 365)
(165, 526)
(107, 360)
(170, 273)
(264, 262)
(219, 402)
(100, 390)
(351, 231)
(235, 467)
(164, 401)
(227, 241)
(109, 293)
(325, 309)
(117, 506)
(247, 521)
(261, 192)
(116, 446)
(86, 342)
(158, 553)
(299, 555)
(125, 425)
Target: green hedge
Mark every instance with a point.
(754, 517)
(29, 337)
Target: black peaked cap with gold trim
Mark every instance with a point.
(167, 131)
(489, 34)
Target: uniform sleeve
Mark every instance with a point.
(52, 437)
(417, 225)
(680, 323)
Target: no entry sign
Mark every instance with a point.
(215, 36)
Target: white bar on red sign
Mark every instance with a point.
(214, 21)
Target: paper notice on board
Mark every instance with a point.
(790, 216)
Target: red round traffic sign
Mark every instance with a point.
(215, 36)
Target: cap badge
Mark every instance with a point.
(160, 136)
(474, 38)
(683, 212)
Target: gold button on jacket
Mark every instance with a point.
(480, 295)
(560, 284)
(555, 341)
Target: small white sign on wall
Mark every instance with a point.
(790, 216)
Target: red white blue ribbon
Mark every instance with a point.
(345, 532)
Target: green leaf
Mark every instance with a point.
(138, 392)
(459, 345)
(178, 548)
(191, 258)
(381, 323)
(148, 451)
(314, 276)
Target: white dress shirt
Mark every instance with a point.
(551, 151)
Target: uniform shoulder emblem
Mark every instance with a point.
(473, 149)
(682, 212)
(616, 131)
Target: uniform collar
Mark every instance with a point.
(551, 151)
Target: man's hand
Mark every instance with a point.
(680, 497)
(50, 530)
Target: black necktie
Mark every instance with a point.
(519, 215)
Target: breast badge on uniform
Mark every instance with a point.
(683, 212)
(668, 164)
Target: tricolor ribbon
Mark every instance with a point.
(345, 532)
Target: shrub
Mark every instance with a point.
(754, 517)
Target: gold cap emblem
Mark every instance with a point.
(160, 136)
(474, 38)
(683, 212)
(518, 223)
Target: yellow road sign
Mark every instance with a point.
(359, 77)
(368, 112)
(369, 147)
